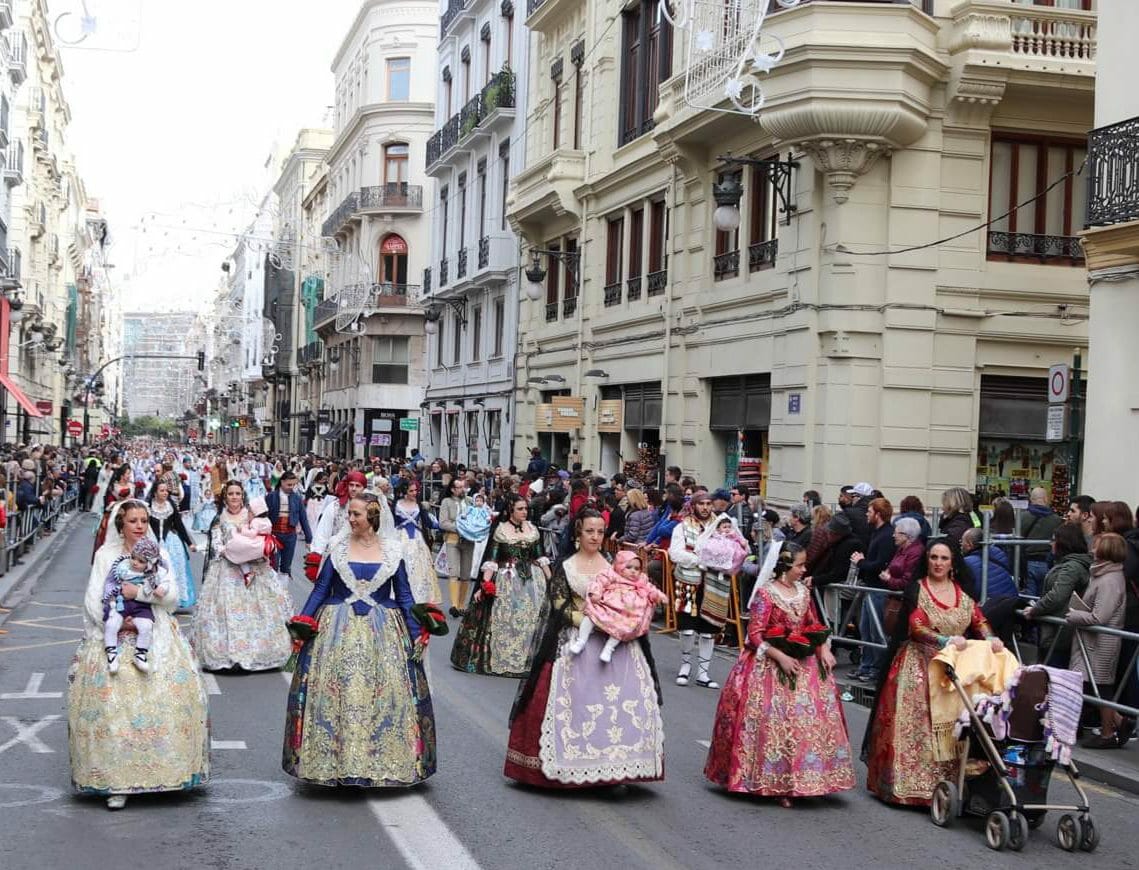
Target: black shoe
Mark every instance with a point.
(455, 612)
(1125, 731)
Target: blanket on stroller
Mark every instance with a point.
(980, 672)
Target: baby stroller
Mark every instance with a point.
(1006, 781)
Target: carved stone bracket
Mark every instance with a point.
(844, 161)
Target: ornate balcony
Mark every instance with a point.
(443, 272)
(633, 288)
(443, 140)
(427, 280)
(726, 265)
(612, 294)
(551, 312)
(569, 306)
(18, 61)
(14, 164)
(454, 9)
(13, 273)
(344, 213)
(1030, 246)
(480, 114)
(762, 255)
(393, 196)
(461, 268)
(376, 296)
(310, 354)
(1113, 174)
(484, 252)
(657, 282)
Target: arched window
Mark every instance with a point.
(393, 259)
(395, 163)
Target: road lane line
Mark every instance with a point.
(61, 606)
(40, 619)
(422, 837)
(69, 642)
(28, 735)
(31, 692)
(212, 687)
(227, 744)
(45, 625)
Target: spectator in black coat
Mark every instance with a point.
(798, 528)
(843, 544)
(854, 502)
(882, 547)
(538, 465)
(26, 495)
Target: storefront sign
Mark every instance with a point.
(393, 244)
(359, 439)
(794, 403)
(569, 411)
(323, 421)
(1059, 380)
(1056, 420)
(610, 415)
(544, 418)
(409, 424)
(381, 440)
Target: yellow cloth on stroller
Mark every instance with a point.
(980, 671)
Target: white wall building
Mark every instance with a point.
(471, 286)
(374, 374)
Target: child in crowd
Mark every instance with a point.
(722, 548)
(140, 569)
(474, 523)
(620, 601)
(252, 541)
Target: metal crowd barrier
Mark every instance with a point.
(20, 534)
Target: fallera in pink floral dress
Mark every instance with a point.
(622, 607)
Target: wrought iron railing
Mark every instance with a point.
(427, 280)
(310, 354)
(1034, 246)
(532, 6)
(726, 265)
(470, 116)
(551, 312)
(15, 266)
(1113, 174)
(343, 212)
(484, 252)
(325, 310)
(454, 7)
(443, 272)
(633, 288)
(612, 294)
(569, 306)
(393, 194)
(761, 255)
(498, 93)
(461, 266)
(14, 161)
(657, 281)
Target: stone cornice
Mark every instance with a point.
(1111, 247)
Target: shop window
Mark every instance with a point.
(389, 359)
(1044, 230)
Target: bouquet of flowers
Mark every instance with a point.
(430, 618)
(798, 645)
(488, 588)
(302, 629)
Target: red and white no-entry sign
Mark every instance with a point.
(1059, 380)
(74, 428)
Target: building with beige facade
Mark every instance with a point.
(888, 314)
(372, 371)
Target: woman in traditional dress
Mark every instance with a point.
(414, 519)
(898, 747)
(134, 732)
(170, 532)
(359, 709)
(242, 615)
(119, 487)
(509, 607)
(553, 742)
(771, 737)
(316, 497)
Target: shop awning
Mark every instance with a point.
(22, 400)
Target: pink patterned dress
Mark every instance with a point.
(769, 739)
(620, 607)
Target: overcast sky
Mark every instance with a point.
(175, 109)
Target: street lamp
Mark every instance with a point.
(728, 191)
(536, 273)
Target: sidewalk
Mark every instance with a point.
(21, 577)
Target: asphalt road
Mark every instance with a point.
(252, 815)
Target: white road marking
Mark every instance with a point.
(422, 837)
(27, 735)
(271, 791)
(227, 744)
(32, 692)
(212, 687)
(46, 795)
(46, 625)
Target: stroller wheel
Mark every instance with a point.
(997, 830)
(1090, 839)
(1018, 830)
(1069, 832)
(945, 804)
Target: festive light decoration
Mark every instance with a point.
(725, 56)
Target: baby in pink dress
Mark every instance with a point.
(721, 547)
(620, 601)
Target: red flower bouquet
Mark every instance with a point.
(773, 633)
(302, 629)
(430, 618)
(488, 588)
(798, 645)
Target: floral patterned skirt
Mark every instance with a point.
(421, 575)
(180, 557)
(589, 722)
(134, 732)
(239, 625)
(900, 764)
(497, 634)
(769, 739)
(359, 709)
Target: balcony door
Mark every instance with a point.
(393, 260)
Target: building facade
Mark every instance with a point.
(883, 306)
(471, 287)
(1112, 244)
(372, 375)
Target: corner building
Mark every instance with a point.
(829, 341)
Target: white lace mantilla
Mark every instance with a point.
(363, 590)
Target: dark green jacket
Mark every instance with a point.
(1070, 574)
